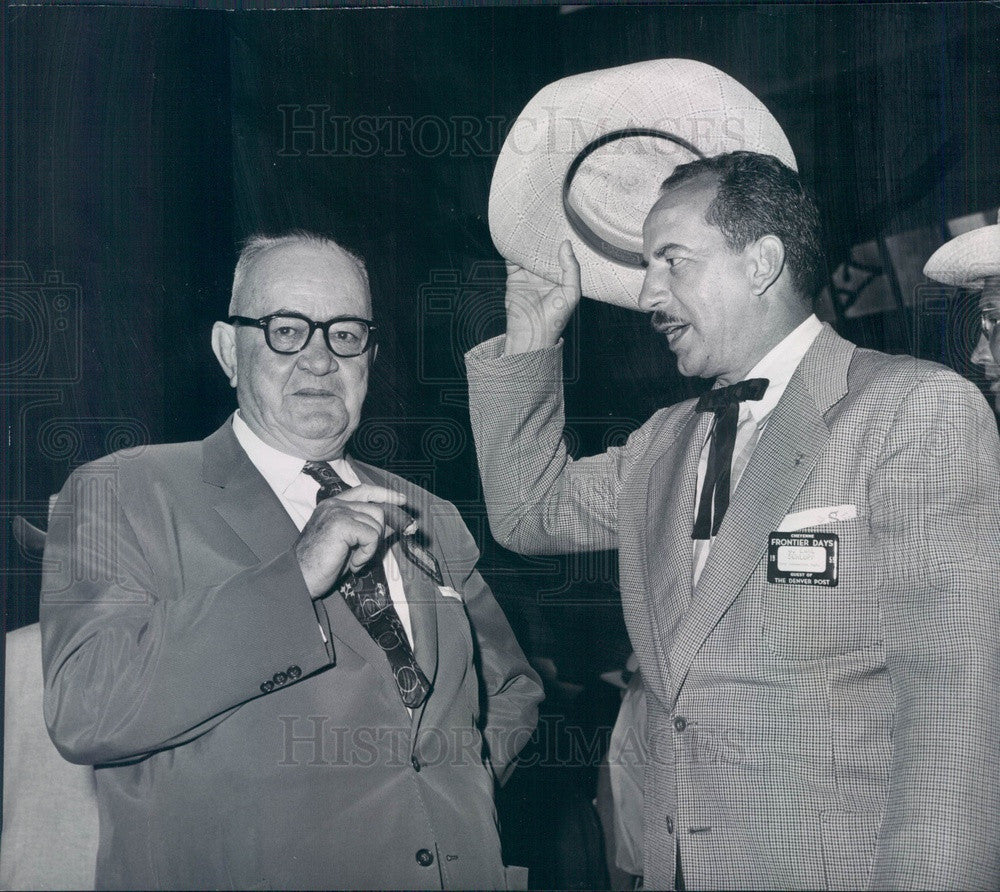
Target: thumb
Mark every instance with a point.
(570, 269)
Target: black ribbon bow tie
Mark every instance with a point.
(721, 397)
(724, 402)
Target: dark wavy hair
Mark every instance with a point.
(757, 196)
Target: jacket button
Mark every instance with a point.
(415, 762)
(280, 678)
(425, 858)
(267, 686)
(294, 672)
(670, 824)
(680, 723)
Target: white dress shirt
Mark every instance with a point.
(777, 366)
(297, 492)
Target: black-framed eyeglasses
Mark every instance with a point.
(346, 336)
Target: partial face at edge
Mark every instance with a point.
(987, 352)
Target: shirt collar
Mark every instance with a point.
(780, 364)
(278, 468)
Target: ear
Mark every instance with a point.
(766, 260)
(224, 348)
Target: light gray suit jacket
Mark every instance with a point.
(172, 599)
(799, 736)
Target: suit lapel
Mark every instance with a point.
(655, 504)
(669, 518)
(252, 510)
(245, 501)
(792, 441)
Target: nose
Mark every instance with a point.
(317, 357)
(651, 296)
(981, 355)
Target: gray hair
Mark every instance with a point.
(257, 245)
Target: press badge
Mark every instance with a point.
(802, 559)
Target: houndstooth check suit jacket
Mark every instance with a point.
(799, 736)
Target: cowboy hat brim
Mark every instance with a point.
(696, 108)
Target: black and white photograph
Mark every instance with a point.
(500, 445)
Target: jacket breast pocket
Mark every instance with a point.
(808, 621)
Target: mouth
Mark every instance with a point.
(314, 393)
(670, 326)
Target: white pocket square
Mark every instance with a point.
(449, 592)
(814, 517)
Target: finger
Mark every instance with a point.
(363, 536)
(368, 492)
(362, 554)
(370, 514)
(570, 267)
(400, 520)
(387, 517)
(396, 514)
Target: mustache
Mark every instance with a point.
(662, 321)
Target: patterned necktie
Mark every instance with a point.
(367, 594)
(725, 403)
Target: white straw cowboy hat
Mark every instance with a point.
(568, 171)
(968, 259)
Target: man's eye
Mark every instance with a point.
(668, 259)
(346, 336)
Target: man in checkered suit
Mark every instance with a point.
(815, 612)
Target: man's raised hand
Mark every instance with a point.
(537, 309)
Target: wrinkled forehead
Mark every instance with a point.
(320, 281)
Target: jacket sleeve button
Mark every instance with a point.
(425, 858)
(294, 672)
(267, 686)
(280, 678)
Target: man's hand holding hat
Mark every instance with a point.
(538, 310)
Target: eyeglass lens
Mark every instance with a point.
(289, 334)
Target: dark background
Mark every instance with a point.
(141, 145)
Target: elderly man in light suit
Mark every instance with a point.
(278, 687)
(809, 564)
